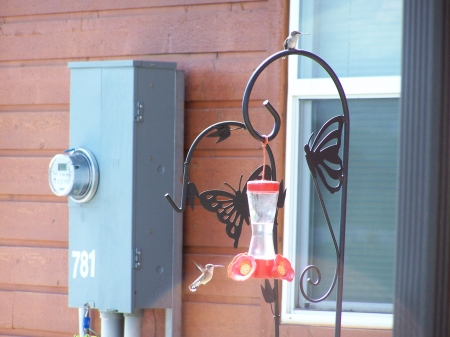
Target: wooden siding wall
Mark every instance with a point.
(218, 43)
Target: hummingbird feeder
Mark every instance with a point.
(261, 260)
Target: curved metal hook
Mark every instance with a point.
(187, 162)
(269, 107)
(316, 283)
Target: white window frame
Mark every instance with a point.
(310, 89)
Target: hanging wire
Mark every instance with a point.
(264, 144)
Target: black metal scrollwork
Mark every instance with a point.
(230, 207)
(322, 155)
(324, 150)
(222, 130)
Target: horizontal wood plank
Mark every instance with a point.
(208, 78)
(6, 309)
(34, 130)
(45, 312)
(220, 285)
(24, 175)
(24, 7)
(146, 33)
(34, 266)
(205, 319)
(34, 85)
(223, 77)
(34, 221)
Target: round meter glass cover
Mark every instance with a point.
(61, 175)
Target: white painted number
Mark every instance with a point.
(92, 258)
(84, 266)
(76, 255)
(85, 261)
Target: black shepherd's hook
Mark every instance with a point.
(273, 112)
(346, 119)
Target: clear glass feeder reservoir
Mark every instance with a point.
(262, 201)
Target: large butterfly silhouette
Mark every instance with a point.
(231, 208)
(323, 151)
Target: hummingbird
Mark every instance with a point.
(205, 277)
(291, 40)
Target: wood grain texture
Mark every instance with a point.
(34, 84)
(23, 7)
(204, 319)
(34, 221)
(6, 300)
(223, 76)
(24, 175)
(151, 32)
(34, 266)
(45, 312)
(34, 130)
(209, 77)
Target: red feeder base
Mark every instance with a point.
(245, 266)
(263, 269)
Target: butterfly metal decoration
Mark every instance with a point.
(322, 154)
(231, 208)
(221, 133)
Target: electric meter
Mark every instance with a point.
(74, 174)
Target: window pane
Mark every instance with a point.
(355, 37)
(371, 204)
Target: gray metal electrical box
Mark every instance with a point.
(125, 243)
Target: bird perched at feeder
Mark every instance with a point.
(205, 277)
(291, 41)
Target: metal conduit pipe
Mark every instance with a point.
(112, 324)
(133, 323)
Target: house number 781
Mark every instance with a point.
(84, 262)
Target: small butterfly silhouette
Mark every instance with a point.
(324, 150)
(232, 208)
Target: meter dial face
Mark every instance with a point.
(61, 175)
(74, 174)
